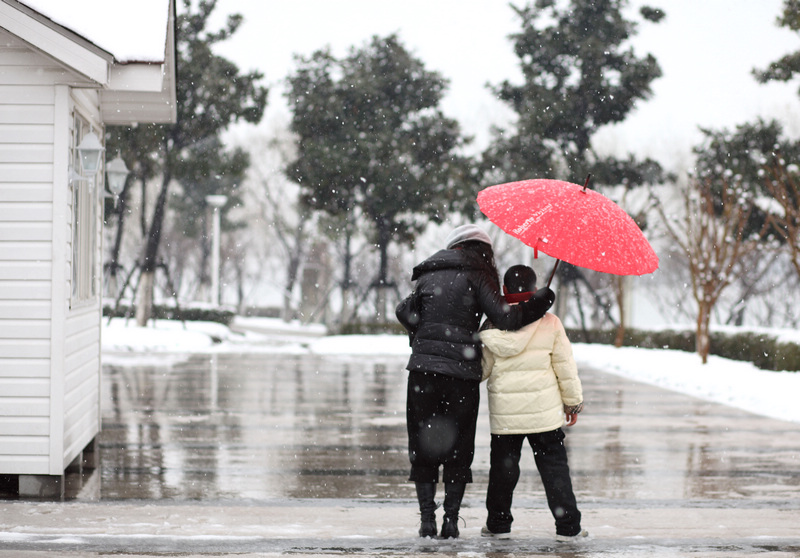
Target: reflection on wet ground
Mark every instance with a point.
(255, 426)
(286, 454)
(263, 426)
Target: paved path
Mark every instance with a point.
(262, 455)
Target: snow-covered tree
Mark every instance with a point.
(783, 183)
(580, 73)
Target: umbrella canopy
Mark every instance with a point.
(571, 223)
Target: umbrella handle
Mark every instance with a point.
(552, 273)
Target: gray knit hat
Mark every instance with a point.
(465, 233)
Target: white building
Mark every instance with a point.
(66, 69)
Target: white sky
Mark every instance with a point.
(706, 49)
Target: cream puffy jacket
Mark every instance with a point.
(531, 376)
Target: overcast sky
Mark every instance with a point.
(706, 48)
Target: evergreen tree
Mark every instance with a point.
(206, 170)
(579, 75)
(134, 144)
(787, 67)
(211, 94)
(373, 143)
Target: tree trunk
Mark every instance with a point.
(347, 283)
(143, 212)
(292, 272)
(205, 254)
(238, 266)
(149, 261)
(384, 237)
(702, 336)
(622, 292)
(120, 210)
(296, 250)
(144, 298)
(562, 287)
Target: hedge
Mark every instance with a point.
(763, 350)
(161, 312)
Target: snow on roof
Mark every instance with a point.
(130, 31)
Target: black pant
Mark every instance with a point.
(441, 413)
(551, 460)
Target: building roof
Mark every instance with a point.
(133, 31)
(124, 49)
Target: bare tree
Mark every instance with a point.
(287, 217)
(753, 285)
(622, 286)
(710, 231)
(782, 184)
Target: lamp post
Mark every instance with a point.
(215, 201)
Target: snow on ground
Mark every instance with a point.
(730, 382)
(734, 383)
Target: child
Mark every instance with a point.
(532, 382)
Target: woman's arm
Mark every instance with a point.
(517, 316)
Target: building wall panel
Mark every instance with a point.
(27, 117)
(49, 352)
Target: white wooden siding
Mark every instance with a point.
(36, 426)
(59, 284)
(27, 272)
(29, 192)
(49, 354)
(26, 212)
(81, 331)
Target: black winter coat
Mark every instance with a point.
(457, 289)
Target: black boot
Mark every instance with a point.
(426, 492)
(453, 494)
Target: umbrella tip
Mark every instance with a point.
(586, 184)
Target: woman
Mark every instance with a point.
(455, 288)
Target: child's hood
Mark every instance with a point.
(509, 343)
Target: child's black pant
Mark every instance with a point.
(551, 460)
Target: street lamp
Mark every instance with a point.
(215, 201)
(117, 174)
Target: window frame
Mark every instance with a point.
(84, 208)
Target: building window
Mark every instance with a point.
(85, 202)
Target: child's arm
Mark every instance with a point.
(567, 375)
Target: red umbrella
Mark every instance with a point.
(571, 223)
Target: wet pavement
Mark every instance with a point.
(296, 454)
